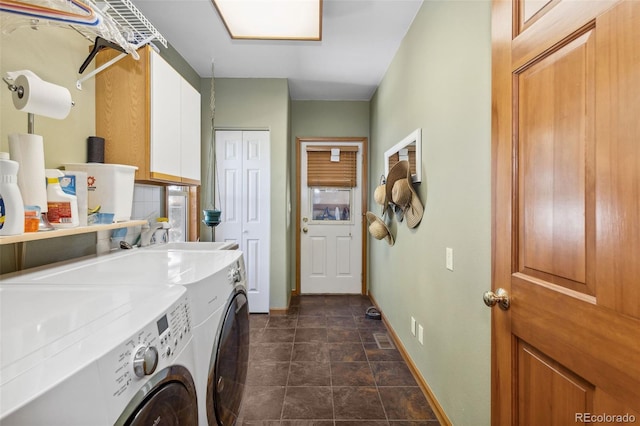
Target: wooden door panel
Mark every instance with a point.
(559, 21)
(592, 342)
(555, 98)
(566, 218)
(529, 9)
(605, 403)
(562, 394)
(618, 167)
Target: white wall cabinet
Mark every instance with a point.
(190, 122)
(149, 116)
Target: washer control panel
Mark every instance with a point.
(152, 348)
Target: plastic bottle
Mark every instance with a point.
(63, 208)
(11, 205)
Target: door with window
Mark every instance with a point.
(566, 227)
(242, 187)
(330, 199)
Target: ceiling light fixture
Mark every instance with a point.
(272, 19)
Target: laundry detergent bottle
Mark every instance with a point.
(63, 207)
(11, 205)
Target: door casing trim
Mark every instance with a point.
(364, 174)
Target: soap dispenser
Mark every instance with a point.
(63, 207)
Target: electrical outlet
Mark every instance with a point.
(413, 326)
(421, 334)
(449, 259)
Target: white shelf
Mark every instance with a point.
(133, 24)
(117, 21)
(44, 235)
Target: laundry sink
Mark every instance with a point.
(193, 246)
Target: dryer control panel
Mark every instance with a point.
(156, 345)
(237, 273)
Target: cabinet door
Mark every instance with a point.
(190, 130)
(122, 110)
(165, 120)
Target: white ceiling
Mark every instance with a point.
(359, 40)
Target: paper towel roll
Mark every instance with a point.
(28, 150)
(40, 97)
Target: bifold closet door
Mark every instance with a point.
(243, 175)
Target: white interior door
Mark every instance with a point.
(331, 232)
(243, 174)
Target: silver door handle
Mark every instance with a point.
(500, 297)
(305, 229)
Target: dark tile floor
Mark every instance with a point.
(320, 365)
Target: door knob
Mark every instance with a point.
(500, 297)
(305, 229)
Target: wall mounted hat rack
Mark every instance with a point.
(108, 23)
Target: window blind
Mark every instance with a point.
(394, 159)
(321, 171)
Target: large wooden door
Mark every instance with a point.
(566, 212)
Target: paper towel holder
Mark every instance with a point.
(20, 91)
(44, 225)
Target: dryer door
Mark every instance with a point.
(225, 386)
(171, 402)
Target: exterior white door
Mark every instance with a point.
(243, 175)
(331, 231)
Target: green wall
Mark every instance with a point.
(54, 54)
(257, 104)
(322, 119)
(329, 119)
(440, 81)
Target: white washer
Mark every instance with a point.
(194, 245)
(216, 289)
(96, 355)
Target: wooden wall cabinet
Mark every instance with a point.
(149, 116)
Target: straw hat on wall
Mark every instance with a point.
(378, 229)
(400, 191)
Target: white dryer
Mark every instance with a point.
(216, 289)
(96, 355)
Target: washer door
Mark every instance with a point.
(227, 377)
(171, 402)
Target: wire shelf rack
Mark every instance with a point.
(136, 28)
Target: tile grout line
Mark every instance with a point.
(333, 405)
(363, 344)
(286, 384)
(386, 416)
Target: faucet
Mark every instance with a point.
(147, 232)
